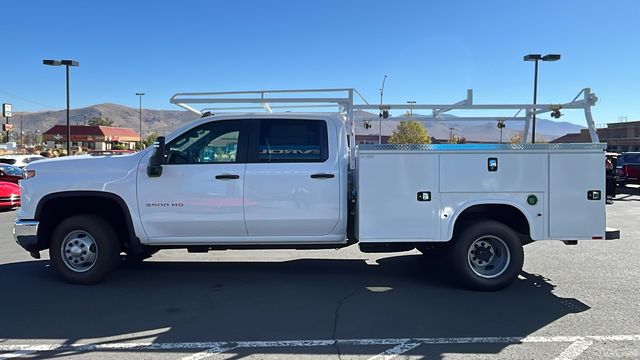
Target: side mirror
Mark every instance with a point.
(154, 169)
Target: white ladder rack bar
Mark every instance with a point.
(346, 106)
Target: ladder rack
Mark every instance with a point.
(343, 101)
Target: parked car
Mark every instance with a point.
(9, 195)
(10, 173)
(628, 168)
(20, 160)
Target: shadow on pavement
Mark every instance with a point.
(627, 193)
(402, 297)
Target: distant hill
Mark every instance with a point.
(546, 130)
(164, 121)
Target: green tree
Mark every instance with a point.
(147, 141)
(410, 132)
(100, 121)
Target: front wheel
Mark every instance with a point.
(487, 255)
(84, 249)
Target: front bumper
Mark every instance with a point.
(25, 232)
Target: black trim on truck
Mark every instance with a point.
(132, 241)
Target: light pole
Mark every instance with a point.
(140, 95)
(501, 126)
(380, 121)
(535, 58)
(66, 63)
(411, 102)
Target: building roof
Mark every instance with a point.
(569, 138)
(96, 133)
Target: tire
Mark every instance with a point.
(84, 249)
(487, 256)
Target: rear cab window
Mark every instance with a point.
(291, 141)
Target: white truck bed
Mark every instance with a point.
(560, 176)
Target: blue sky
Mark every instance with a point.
(432, 51)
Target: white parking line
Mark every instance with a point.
(575, 349)
(210, 352)
(16, 354)
(222, 345)
(396, 351)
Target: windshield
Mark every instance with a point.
(11, 170)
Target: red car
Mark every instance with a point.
(628, 168)
(10, 173)
(9, 195)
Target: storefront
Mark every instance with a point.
(92, 137)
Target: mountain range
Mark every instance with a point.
(164, 121)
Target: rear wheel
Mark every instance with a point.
(84, 249)
(487, 255)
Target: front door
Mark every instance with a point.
(199, 196)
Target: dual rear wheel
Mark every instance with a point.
(485, 255)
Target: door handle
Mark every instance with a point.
(322, 176)
(227, 177)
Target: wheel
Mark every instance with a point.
(487, 255)
(84, 249)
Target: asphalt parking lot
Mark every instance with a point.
(570, 302)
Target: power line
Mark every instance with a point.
(27, 100)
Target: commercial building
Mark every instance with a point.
(91, 137)
(620, 137)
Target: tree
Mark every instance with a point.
(148, 140)
(410, 132)
(516, 138)
(100, 121)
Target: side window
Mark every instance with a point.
(214, 142)
(292, 141)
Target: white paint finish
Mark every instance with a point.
(571, 215)
(281, 199)
(574, 350)
(517, 172)
(396, 351)
(388, 208)
(454, 204)
(210, 207)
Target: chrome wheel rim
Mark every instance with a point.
(79, 251)
(488, 256)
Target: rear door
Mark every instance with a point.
(292, 179)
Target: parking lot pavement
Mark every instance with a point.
(570, 302)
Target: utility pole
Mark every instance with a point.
(140, 94)
(380, 121)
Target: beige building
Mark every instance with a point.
(91, 137)
(620, 137)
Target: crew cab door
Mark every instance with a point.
(292, 180)
(199, 196)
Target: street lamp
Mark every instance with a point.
(140, 94)
(380, 121)
(536, 58)
(411, 102)
(66, 63)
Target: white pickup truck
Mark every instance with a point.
(289, 180)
